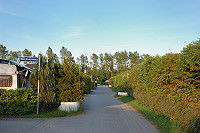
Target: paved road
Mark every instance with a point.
(104, 114)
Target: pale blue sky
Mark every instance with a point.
(99, 26)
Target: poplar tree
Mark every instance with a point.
(107, 65)
(83, 60)
(64, 53)
(134, 58)
(94, 65)
(52, 56)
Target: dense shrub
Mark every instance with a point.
(70, 84)
(87, 87)
(105, 83)
(170, 85)
(17, 102)
(122, 82)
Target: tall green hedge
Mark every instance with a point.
(48, 75)
(17, 102)
(70, 84)
(170, 85)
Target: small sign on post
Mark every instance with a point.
(28, 59)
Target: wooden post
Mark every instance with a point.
(38, 104)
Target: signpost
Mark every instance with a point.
(33, 59)
(28, 59)
(38, 104)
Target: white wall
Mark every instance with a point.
(6, 69)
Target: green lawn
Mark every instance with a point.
(161, 122)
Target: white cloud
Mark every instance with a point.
(10, 12)
(75, 31)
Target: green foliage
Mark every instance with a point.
(122, 82)
(124, 87)
(105, 83)
(87, 87)
(66, 54)
(17, 102)
(26, 52)
(83, 61)
(52, 56)
(101, 77)
(48, 84)
(169, 85)
(3, 52)
(69, 83)
(14, 55)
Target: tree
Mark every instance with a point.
(26, 52)
(66, 54)
(3, 52)
(83, 62)
(111, 64)
(50, 53)
(48, 84)
(124, 60)
(14, 55)
(102, 76)
(107, 65)
(134, 58)
(94, 65)
(101, 65)
(118, 62)
(52, 56)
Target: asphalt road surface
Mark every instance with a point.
(103, 114)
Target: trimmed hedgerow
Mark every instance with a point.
(170, 85)
(17, 102)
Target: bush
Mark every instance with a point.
(70, 84)
(170, 85)
(105, 83)
(87, 87)
(94, 85)
(125, 87)
(17, 102)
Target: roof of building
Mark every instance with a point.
(5, 61)
(31, 66)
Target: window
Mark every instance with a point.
(5, 80)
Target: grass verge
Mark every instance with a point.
(161, 122)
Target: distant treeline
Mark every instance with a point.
(101, 66)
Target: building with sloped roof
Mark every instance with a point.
(13, 75)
